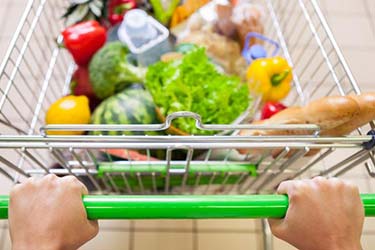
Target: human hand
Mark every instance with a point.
(322, 215)
(48, 214)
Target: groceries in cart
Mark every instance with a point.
(138, 62)
(181, 55)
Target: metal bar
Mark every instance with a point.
(56, 153)
(154, 188)
(349, 159)
(311, 164)
(188, 206)
(351, 165)
(128, 188)
(196, 182)
(210, 182)
(332, 39)
(166, 125)
(276, 161)
(370, 170)
(297, 155)
(165, 145)
(92, 179)
(6, 174)
(14, 167)
(267, 235)
(17, 33)
(168, 166)
(297, 83)
(139, 179)
(320, 44)
(112, 182)
(189, 157)
(34, 159)
(20, 57)
(202, 139)
(61, 171)
(45, 85)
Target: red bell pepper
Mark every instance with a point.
(83, 40)
(271, 108)
(118, 8)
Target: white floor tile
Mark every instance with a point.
(344, 6)
(353, 32)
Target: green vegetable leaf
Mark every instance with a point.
(194, 84)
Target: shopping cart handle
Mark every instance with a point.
(187, 206)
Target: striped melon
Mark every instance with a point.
(133, 105)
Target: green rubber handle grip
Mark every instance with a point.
(187, 206)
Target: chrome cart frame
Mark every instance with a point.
(35, 72)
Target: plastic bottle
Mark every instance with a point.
(146, 38)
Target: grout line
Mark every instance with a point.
(195, 235)
(131, 235)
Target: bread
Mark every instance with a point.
(335, 115)
(330, 112)
(366, 103)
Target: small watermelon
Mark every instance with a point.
(133, 105)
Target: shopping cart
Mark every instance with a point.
(35, 72)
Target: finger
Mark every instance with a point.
(50, 177)
(74, 182)
(286, 186)
(319, 178)
(336, 183)
(84, 190)
(31, 179)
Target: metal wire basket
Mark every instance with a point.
(35, 72)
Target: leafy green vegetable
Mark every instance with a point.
(111, 71)
(194, 84)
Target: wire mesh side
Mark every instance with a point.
(195, 165)
(35, 72)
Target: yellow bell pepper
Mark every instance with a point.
(270, 78)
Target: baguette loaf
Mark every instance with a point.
(335, 115)
(366, 103)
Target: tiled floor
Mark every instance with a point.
(353, 24)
